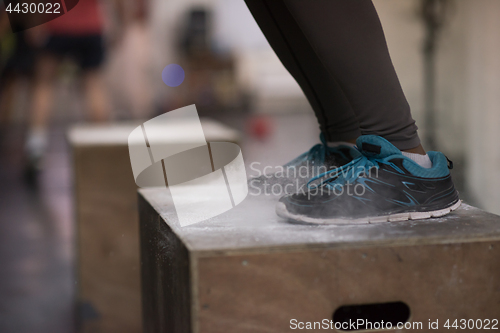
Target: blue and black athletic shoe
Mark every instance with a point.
(297, 173)
(380, 184)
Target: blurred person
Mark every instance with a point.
(78, 35)
(129, 71)
(371, 166)
(18, 63)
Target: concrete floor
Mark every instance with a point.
(36, 241)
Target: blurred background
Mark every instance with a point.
(444, 51)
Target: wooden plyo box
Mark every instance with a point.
(249, 271)
(108, 258)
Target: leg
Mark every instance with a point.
(20, 65)
(96, 97)
(89, 51)
(334, 112)
(348, 38)
(43, 91)
(8, 89)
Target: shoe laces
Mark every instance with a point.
(318, 153)
(350, 172)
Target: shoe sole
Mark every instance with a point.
(282, 212)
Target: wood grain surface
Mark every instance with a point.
(249, 271)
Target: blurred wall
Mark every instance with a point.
(451, 63)
(482, 92)
(404, 34)
(468, 96)
(166, 19)
(259, 70)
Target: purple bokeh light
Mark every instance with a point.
(173, 75)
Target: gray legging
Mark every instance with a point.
(336, 51)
